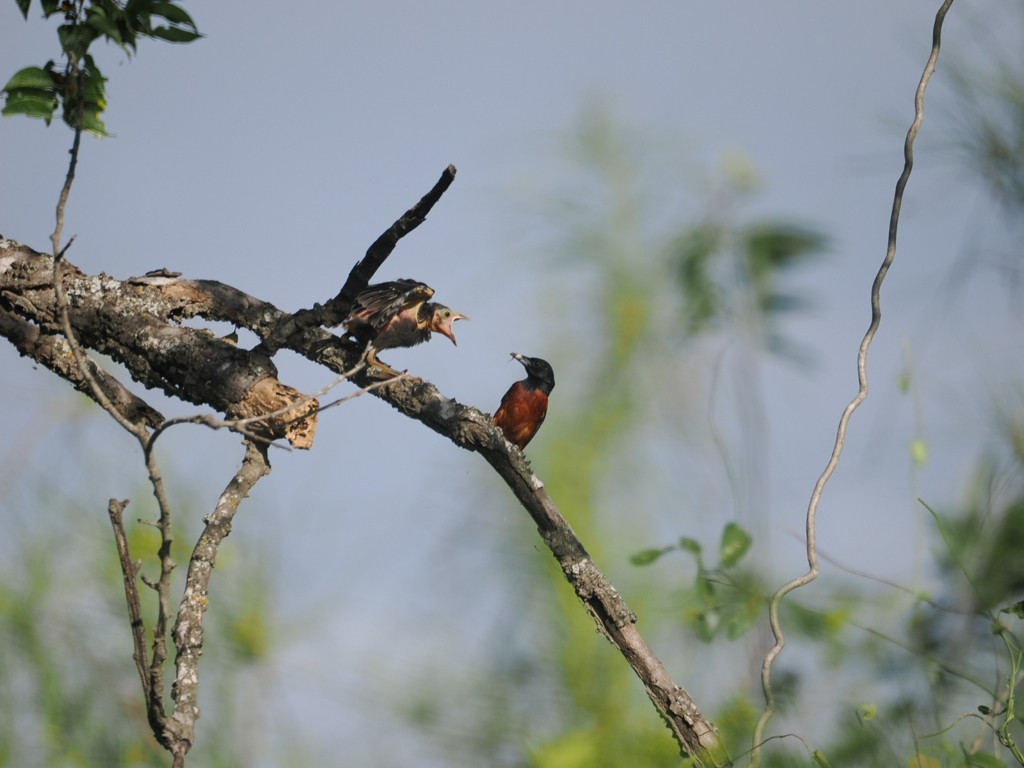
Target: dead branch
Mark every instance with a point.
(129, 570)
(472, 429)
(54, 353)
(188, 627)
(136, 322)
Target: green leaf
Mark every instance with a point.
(705, 587)
(75, 39)
(707, 625)
(735, 543)
(175, 34)
(1017, 609)
(773, 245)
(867, 712)
(648, 556)
(97, 18)
(690, 545)
(92, 123)
(174, 14)
(23, 7)
(695, 250)
(32, 77)
(30, 105)
(94, 84)
(820, 760)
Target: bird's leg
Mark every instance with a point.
(380, 365)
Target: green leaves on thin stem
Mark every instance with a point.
(39, 91)
(79, 88)
(723, 598)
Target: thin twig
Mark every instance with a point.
(115, 509)
(216, 422)
(152, 683)
(862, 392)
(239, 425)
(74, 69)
(163, 583)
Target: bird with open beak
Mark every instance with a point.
(398, 314)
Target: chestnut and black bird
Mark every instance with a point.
(398, 314)
(525, 405)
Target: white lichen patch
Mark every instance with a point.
(579, 567)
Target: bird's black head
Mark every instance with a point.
(540, 374)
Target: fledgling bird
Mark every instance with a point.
(397, 314)
(525, 405)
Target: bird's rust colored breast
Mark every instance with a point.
(521, 413)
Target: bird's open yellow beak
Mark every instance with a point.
(444, 322)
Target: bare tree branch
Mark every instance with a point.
(54, 352)
(472, 429)
(116, 509)
(862, 392)
(136, 322)
(188, 627)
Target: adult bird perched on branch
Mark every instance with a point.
(525, 405)
(397, 314)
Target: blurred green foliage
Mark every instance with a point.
(69, 691)
(648, 280)
(875, 674)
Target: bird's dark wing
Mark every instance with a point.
(378, 304)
